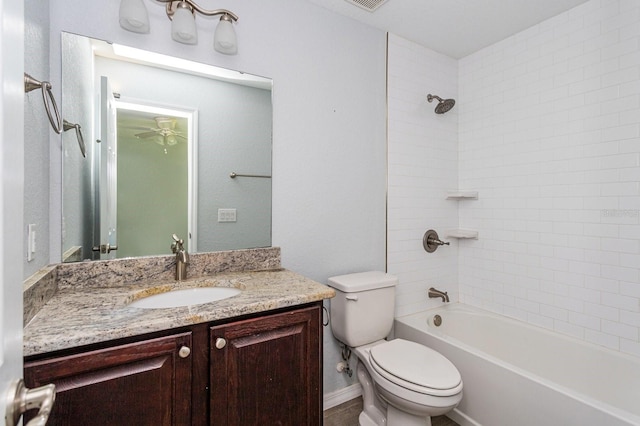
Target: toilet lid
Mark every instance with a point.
(416, 364)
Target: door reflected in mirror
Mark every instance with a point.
(154, 174)
(163, 136)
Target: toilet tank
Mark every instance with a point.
(362, 311)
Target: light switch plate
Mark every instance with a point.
(226, 215)
(31, 241)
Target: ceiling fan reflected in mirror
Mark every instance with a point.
(164, 133)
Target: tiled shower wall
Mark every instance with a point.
(423, 165)
(549, 134)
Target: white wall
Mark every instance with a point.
(550, 136)
(37, 131)
(329, 150)
(423, 166)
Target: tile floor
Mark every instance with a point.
(346, 414)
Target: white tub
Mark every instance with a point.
(516, 374)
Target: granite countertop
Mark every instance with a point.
(85, 315)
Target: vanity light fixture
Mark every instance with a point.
(134, 17)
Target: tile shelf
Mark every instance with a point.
(462, 195)
(466, 234)
(463, 234)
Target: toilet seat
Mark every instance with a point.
(415, 367)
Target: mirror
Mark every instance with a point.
(172, 146)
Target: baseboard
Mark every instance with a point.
(461, 418)
(341, 396)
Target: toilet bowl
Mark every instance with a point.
(415, 380)
(403, 383)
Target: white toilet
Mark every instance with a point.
(403, 383)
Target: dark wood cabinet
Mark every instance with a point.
(134, 384)
(268, 372)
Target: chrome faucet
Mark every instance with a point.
(433, 293)
(182, 258)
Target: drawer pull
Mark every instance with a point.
(184, 352)
(220, 343)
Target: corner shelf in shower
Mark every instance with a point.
(462, 234)
(462, 195)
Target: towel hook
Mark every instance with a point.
(30, 84)
(68, 126)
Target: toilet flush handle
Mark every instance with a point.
(352, 298)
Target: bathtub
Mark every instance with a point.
(516, 374)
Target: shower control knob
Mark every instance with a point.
(437, 242)
(220, 343)
(431, 241)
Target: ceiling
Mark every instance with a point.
(140, 126)
(455, 28)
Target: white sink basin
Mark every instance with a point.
(185, 297)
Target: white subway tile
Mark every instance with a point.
(620, 273)
(631, 288)
(620, 330)
(567, 328)
(602, 284)
(630, 318)
(630, 347)
(540, 297)
(555, 287)
(626, 303)
(630, 31)
(621, 48)
(602, 339)
(514, 313)
(554, 312)
(540, 320)
(584, 294)
(621, 245)
(527, 305)
(600, 311)
(583, 320)
(568, 303)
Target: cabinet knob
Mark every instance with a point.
(184, 352)
(220, 343)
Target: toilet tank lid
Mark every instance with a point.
(361, 281)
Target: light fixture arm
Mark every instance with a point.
(172, 6)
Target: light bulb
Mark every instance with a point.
(225, 40)
(183, 27)
(133, 16)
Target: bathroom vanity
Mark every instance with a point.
(254, 358)
(260, 370)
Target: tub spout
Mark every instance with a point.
(437, 293)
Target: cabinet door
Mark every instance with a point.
(142, 383)
(267, 370)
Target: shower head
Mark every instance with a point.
(444, 105)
